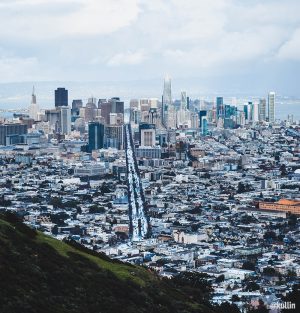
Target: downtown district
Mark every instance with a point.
(175, 185)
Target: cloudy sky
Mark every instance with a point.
(251, 45)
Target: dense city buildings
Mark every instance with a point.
(208, 186)
(11, 133)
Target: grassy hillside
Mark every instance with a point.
(41, 274)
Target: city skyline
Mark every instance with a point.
(149, 156)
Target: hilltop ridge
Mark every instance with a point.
(41, 274)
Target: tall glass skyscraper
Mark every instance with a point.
(65, 120)
(220, 107)
(167, 101)
(262, 110)
(271, 107)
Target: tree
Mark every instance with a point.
(96, 209)
(56, 202)
(252, 286)
(247, 265)
(283, 170)
(55, 230)
(291, 274)
(270, 235)
(293, 297)
(227, 307)
(261, 195)
(292, 221)
(104, 188)
(269, 271)
(235, 298)
(195, 284)
(206, 175)
(220, 278)
(241, 188)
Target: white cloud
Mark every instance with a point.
(127, 58)
(85, 37)
(44, 19)
(291, 48)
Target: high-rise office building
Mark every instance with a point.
(117, 106)
(271, 107)
(182, 114)
(262, 106)
(255, 112)
(153, 102)
(11, 133)
(183, 102)
(227, 111)
(96, 136)
(90, 110)
(220, 107)
(113, 105)
(147, 135)
(248, 112)
(114, 136)
(204, 126)
(202, 113)
(106, 109)
(53, 117)
(61, 97)
(65, 120)
(77, 104)
(144, 105)
(33, 108)
(250, 108)
(75, 111)
(166, 101)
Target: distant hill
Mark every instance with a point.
(41, 274)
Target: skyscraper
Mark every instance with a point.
(220, 108)
(114, 136)
(202, 113)
(255, 112)
(33, 108)
(262, 110)
(10, 133)
(183, 100)
(61, 97)
(271, 107)
(167, 101)
(182, 114)
(147, 134)
(76, 106)
(65, 120)
(96, 136)
(204, 126)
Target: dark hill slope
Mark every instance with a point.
(41, 274)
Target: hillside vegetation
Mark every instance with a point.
(41, 274)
